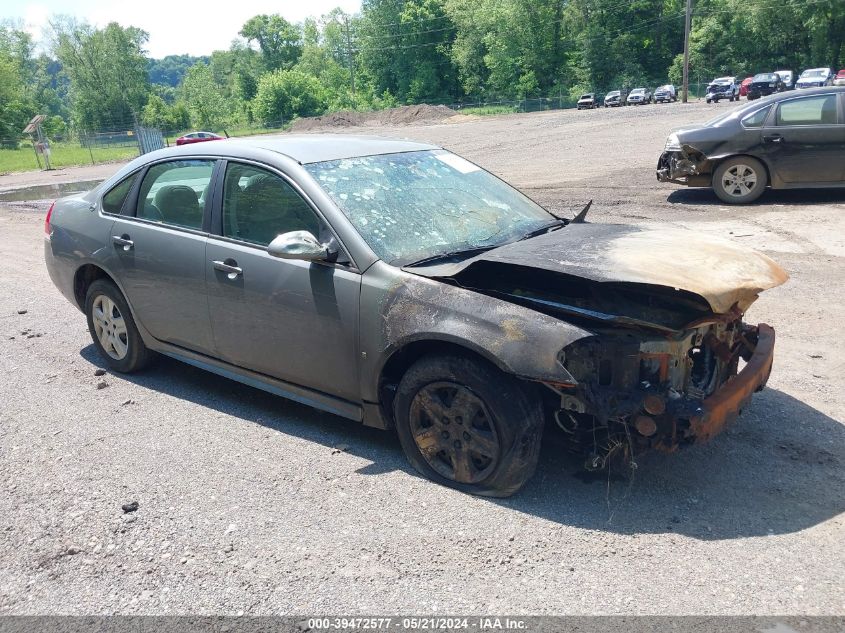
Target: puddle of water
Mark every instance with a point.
(47, 192)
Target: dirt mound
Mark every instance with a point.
(403, 115)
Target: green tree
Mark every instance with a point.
(16, 103)
(404, 49)
(280, 41)
(170, 118)
(285, 94)
(203, 99)
(107, 72)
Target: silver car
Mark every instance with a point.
(399, 285)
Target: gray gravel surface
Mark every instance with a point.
(250, 503)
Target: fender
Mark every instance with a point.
(416, 308)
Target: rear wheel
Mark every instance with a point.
(740, 180)
(112, 328)
(467, 425)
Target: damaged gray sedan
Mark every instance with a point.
(396, 284)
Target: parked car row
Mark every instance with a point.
(767, 83)
(637, 96)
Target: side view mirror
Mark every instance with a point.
(299, 245)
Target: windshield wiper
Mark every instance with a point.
(464, 253)
(543, 230)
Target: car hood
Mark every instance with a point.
(723, 274)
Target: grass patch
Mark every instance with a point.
(62, 155)
(488, 110)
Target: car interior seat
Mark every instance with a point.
(179, 205)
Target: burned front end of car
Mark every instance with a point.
(637, 391)
(663, 357)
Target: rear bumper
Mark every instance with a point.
(721, 408)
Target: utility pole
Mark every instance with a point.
(686, 51)
(349, 53)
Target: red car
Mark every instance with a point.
(743, 87)
(198, 137)
(839, 79)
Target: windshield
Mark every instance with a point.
(722, 80)
(587, 96)
(614, 93)
(637, 91)
(764, 77)
(415, 205)
(819, 72)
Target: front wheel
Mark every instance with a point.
(113, 329)
(467, 425)
(740, 180)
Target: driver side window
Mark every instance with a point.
(258, 206)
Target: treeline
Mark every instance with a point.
(403, 51)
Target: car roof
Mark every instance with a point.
(305, 148)
(790, 94)
(813, 70)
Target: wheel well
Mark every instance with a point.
(82, 280)
(402, 359)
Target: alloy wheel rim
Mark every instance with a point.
(739, 180)
(454, 432)
(110, 327)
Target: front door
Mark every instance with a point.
(289, 319)
(159, 248)
(805, 141)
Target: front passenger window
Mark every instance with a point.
(174, 193)
(258, 206)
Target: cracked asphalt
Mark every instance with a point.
(248, 503)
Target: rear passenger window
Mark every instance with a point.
(757, 119)
(174, 193)
(258, 206)
(808, 111)
(114, 199)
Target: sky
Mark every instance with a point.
(175, 26)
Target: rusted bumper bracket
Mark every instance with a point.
(727, 403)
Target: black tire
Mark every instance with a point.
(499, 445)
(730, 185)
(137, 355)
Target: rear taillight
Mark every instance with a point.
(47, 219)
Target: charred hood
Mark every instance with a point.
(653, 276)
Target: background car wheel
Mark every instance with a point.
(740, 180)
(112, 328)
(465, 424)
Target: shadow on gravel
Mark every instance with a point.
(779, 469)
(705, 196)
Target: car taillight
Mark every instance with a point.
(47, 219)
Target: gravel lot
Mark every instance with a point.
(250, 503)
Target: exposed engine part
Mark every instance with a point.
(654, 404)
(645, 425)
(567, 422)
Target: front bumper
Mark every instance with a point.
(683, 169)
(721, 408)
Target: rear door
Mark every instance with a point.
(804, 142)
(289, 319)
(159, 246)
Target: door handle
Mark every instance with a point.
(230, 267)
(773, 138)
(124, 241)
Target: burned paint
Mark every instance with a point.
(715, 269)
